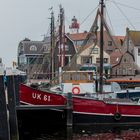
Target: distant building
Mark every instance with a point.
(90, 55)
(31, 58)
(123, 64)
(34, 56)
(77, 38)
(132, 45)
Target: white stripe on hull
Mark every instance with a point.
(102, 114)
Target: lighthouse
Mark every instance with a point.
(74, 27)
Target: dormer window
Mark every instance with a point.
(105, 60)
(33, 48)
(109, 43)
(86, 60)
(21, 49)
(95, 51)
(66, 48)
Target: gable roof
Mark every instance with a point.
(115, 57)
(39, 45)
(135, 37)
(119, 39)
(77, 36)
(85, 47)
(66, 35)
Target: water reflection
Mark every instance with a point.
(108, 133)
(85, 133)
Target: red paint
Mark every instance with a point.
(75, 90)
(80, 104)
(100, 107)
(37, 97)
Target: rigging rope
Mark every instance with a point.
(73, 60)
(89, 14)
(123, 14)
(125, 5)
(110, 21)
(87, 44)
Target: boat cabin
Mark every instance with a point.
(77, 77)
(78, 82)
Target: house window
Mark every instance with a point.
(94, 51)
(138, 51)
(66, 48)
(78, 42)
(33, 48)
(66, 60)
(97, 60)
(45, 47)
(124, 60)
(22, 48)
(109, 43)
(105, 60)
(86, 60)
(22, 59)
(32, 60)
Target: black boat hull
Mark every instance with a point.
(87, 119)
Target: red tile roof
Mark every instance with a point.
(120, 37)
(78, 36)
(115, 57)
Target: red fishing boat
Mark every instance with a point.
(87, 108)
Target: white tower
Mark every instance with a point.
(74, 27)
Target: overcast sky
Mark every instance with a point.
(30, 18)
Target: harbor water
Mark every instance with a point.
(83, 133)
(48, 125)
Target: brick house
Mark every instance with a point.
(123, 64)
(68, 50)
(132, 44)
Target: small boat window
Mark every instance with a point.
(77, 76)
(66, 76)
(90, 76)
(74, 76)
(84, 76)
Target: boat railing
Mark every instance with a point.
(78, 77)
(119, 101)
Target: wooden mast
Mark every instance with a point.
(60, 36)
(101, 47)
(61, 45)
(52, 45)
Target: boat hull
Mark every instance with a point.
(92, 111)
(29, 95)
(87, 119)
(86, 110)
